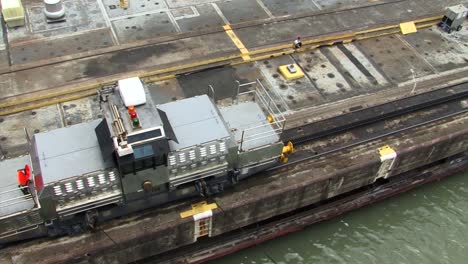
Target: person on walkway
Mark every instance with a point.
(23, 179)
(297, 43)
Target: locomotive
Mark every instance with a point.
(137, 156)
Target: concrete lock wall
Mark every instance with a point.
(350, 173)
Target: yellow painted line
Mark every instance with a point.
(329, 38)
(48, 103)
(427, 25)
(158, 79)
(244, 51)
(377, 35)
(264, 57)
(49, 95)
(187, 66)
(422, 20)
(375, 29)
(270, 49)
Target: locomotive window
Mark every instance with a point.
(144, 136)
(143, 151)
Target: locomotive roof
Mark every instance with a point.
(195, 121)
(68, 152)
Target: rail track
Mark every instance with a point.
(24, 102)
(414, 116)
(365, 116)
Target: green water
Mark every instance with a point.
(426, 225)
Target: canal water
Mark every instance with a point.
(426, 225)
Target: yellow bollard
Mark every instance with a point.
(124, 3)
(288, 148)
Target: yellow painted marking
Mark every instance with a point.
(408, 28)
(48, 103)
(386, 151)
(422, 20)
(158, 79)
(244, 51)
(198, 208)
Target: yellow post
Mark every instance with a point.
(287, 149)
(270, 118)
(124, 3)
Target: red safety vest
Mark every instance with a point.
(24, 175)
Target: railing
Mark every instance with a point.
(16, 200)
(270, 107)
(20, 222)
(212, 92)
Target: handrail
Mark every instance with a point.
(12, 190)
(212, 91)
(269, 105)
(19, 202)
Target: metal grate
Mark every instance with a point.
(85, 186)
(194, 157)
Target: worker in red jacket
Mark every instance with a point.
(24, 176)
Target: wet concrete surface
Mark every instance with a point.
(84, 29)
(223, 81)
(139, 23)
(242, 11)
(330, 22)
(152, 19)
(13, 140)
(397, 60)
(295, 94)
(332, 74)
(136, 7)
(145, 58)
(444, 52)
(200, 18)
(33, 51)
(133, 28)
(283, 8)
